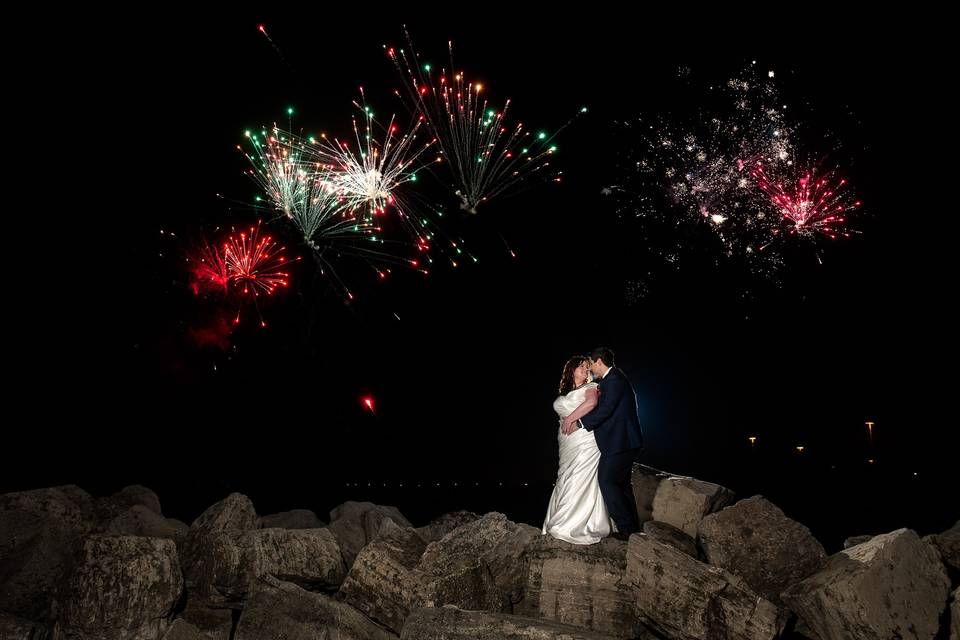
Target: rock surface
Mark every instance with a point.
(892, 586)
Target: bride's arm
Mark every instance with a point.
(585, 407)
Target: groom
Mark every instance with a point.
(616, 426)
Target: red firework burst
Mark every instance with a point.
(255, 263)
(208, 270)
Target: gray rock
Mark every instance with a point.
(374, 519)
(14, 628)
(183, 630)
(646, 480)
(210, 623)
(309, 558)
(755, 540)
(40, 531)
(893, 586)
(683, 502)
(354, 510)
(138, 520)
(233, 515)
(853, 541)
(582, 586)
(480, 565)
(685, 599)
(802, 630)
(212, 553)
(110, 507)
(67, 504)
(446, 523)
(379, 583)
(451, 623)
(224, 552)
(179, 528)
(669, 534)
(122, 587)
(296, 519)
(948, 544)
(955, 616)
(354, 526)
(280, 610)
(351, 537)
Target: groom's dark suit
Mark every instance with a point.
(616, 426)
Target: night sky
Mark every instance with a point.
(117, 392)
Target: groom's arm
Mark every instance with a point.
(589, 402)
(609, 397)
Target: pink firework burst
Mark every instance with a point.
(811, 205)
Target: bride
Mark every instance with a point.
(576, 512)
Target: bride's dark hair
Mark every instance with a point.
(566, 380)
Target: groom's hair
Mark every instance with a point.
(602, 353)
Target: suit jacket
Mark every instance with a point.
(614, 421)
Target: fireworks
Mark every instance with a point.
(305, 191)
(486, 155)
(208, 270)
(726, 173)
(813, 205)
(371, 172)
(255, 263)
(338, 196)
(244, 267)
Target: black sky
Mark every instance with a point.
(464, 380)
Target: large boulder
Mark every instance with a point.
(581, 585)
(138, 520)
(669, 534)
(278, 609)
(683, 502)
(955, 615)
(685, 599)
(446, 523)
(14, 628)
(210, 623)
(122, 588)
(755, 540)
(224, 551)
(892, 586)
(296, 519)
(183, 630)
(109, 507)
(451, 623)
(213, 551)
(480, 565)
(646, 481)
(356, 523)
(309, 558)
(352, 510)
(67, 504)
(40, 531)
(948, 544)
(853, 541)
(379, 582)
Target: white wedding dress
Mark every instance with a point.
(577, 512)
